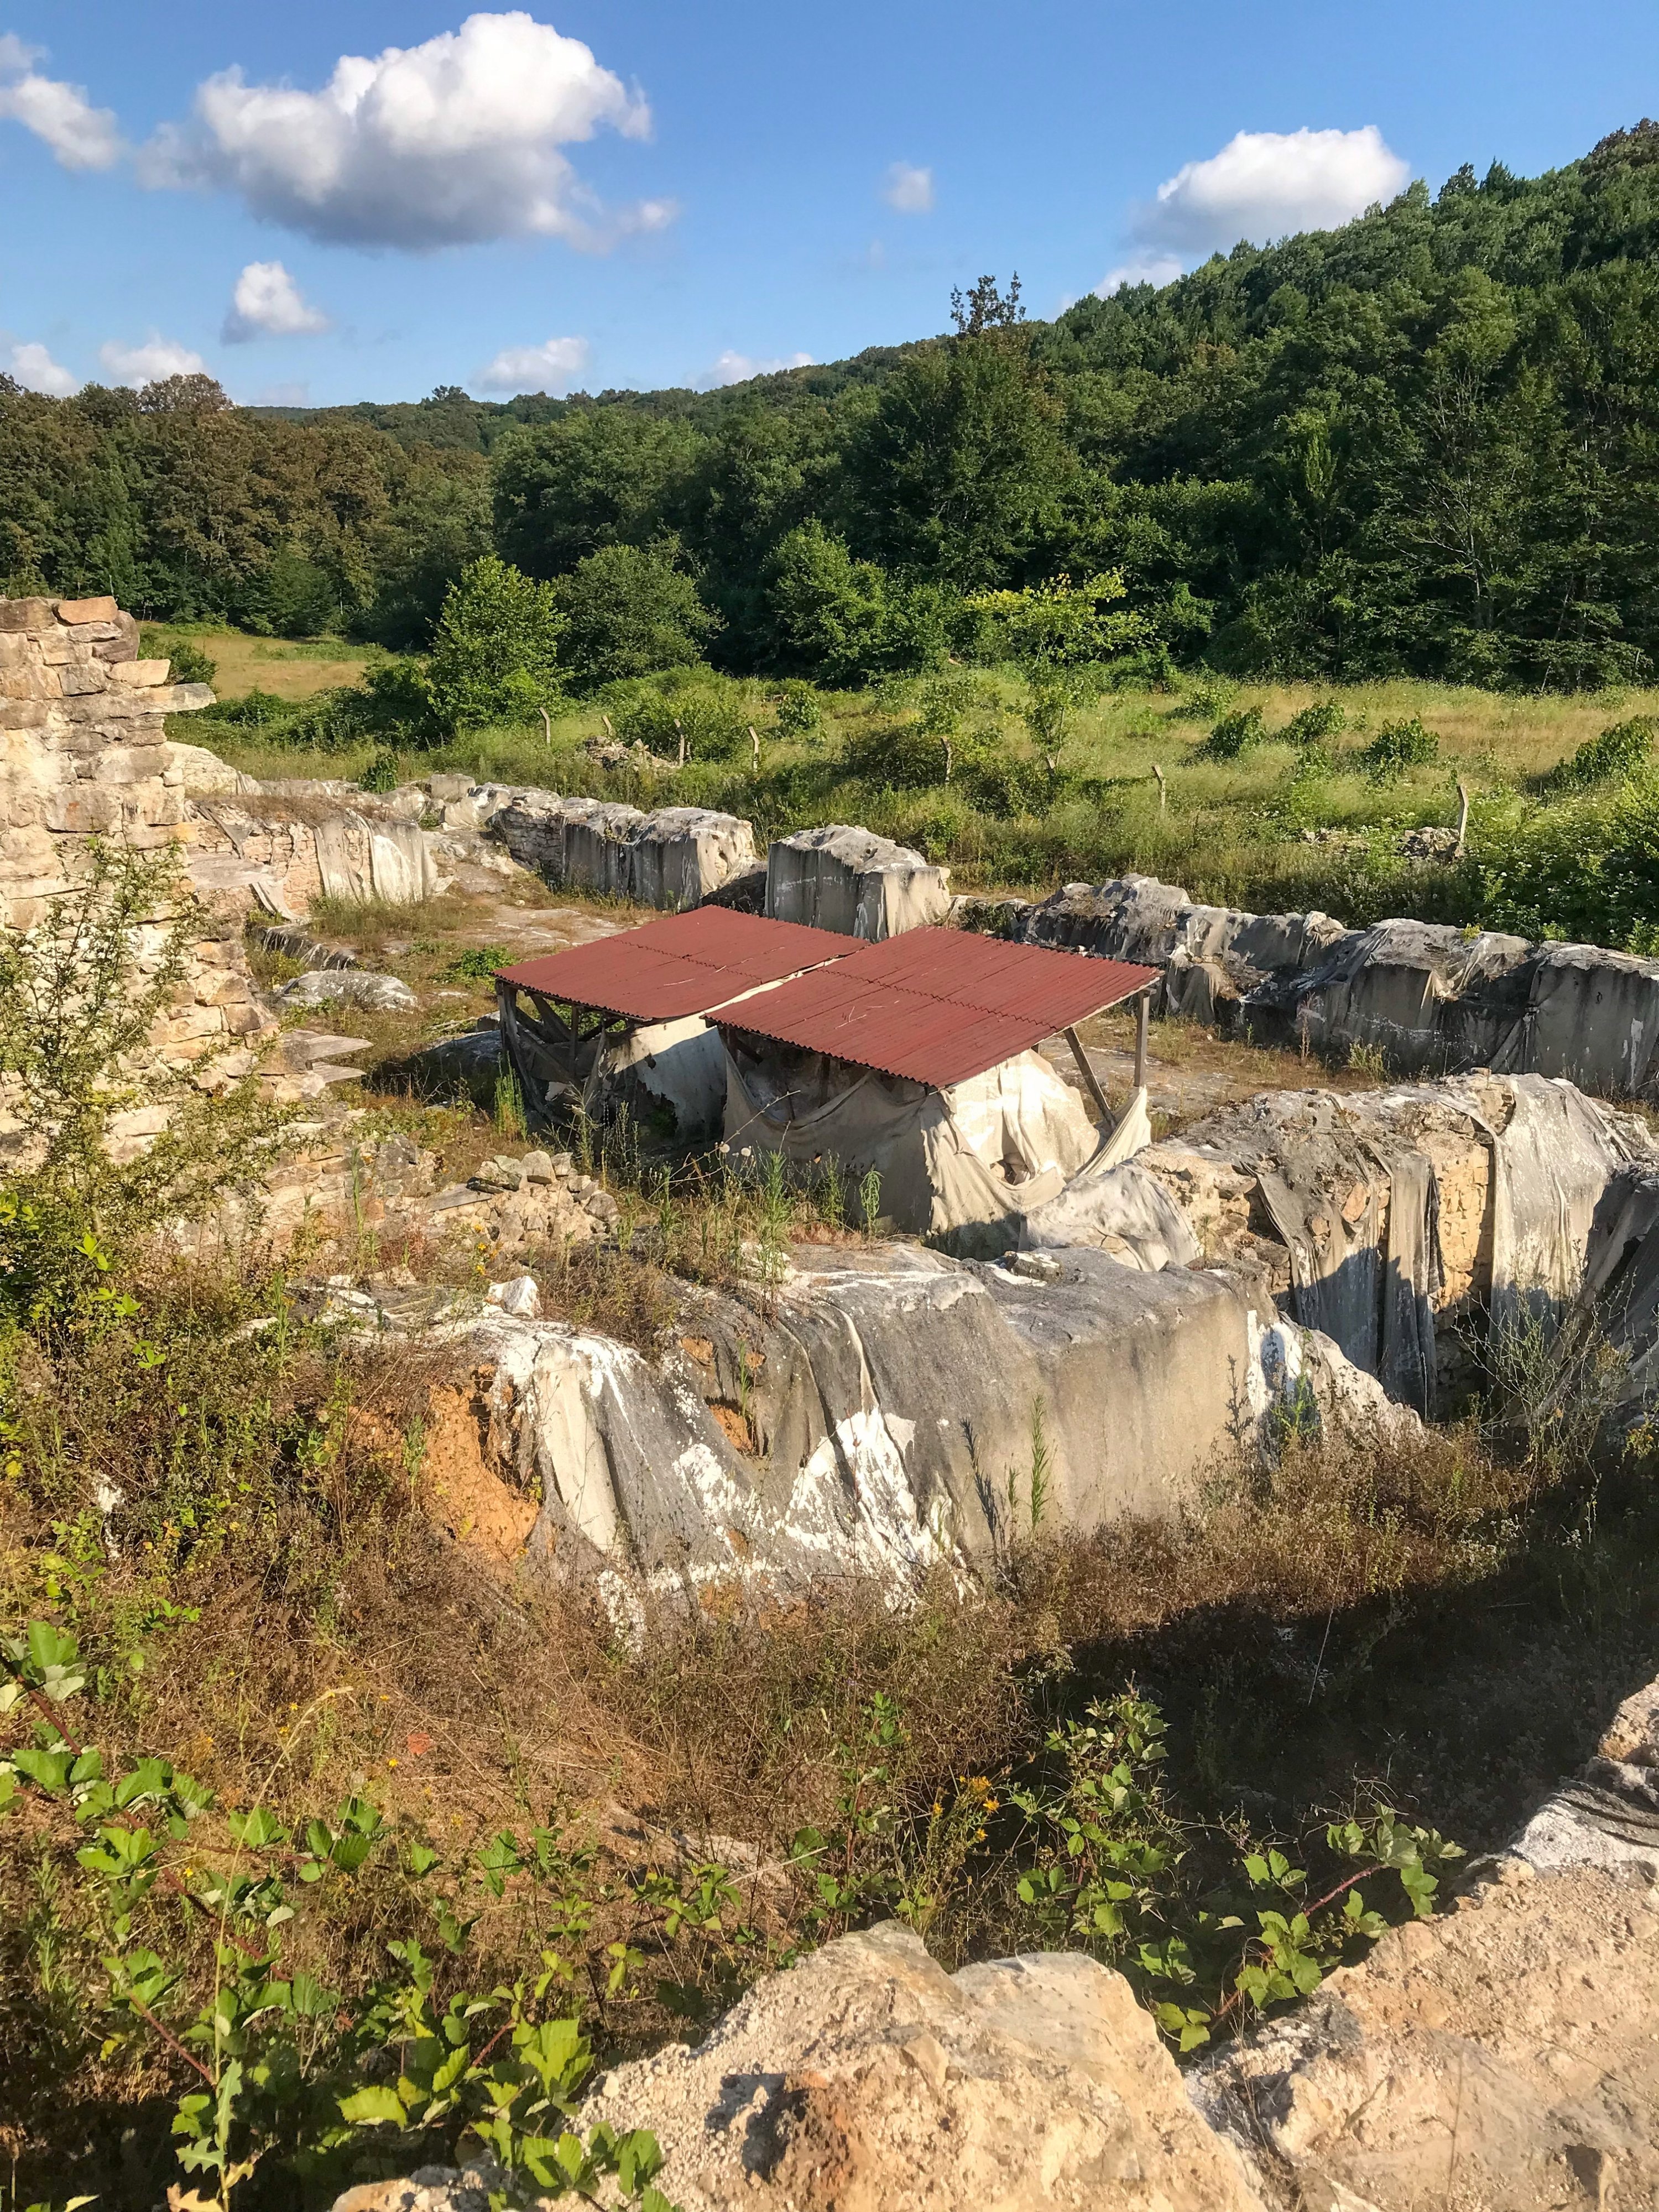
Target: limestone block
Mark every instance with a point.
(181, 698)
(83, 610)
(77, 680)
(28, 614)
(141, 674)
(14, 651)
(23, 713)
(83, 811)
(127, 764)
(123, 646)
(58, 647)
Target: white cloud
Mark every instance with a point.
(1139, 268)
(81, 136)
(1264, 185)
(739, 367)
(909, 190)
(150, 363)
(441, 144)
(36, 371)
(549, 368)
(268, 303)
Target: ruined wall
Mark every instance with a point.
(85, 754)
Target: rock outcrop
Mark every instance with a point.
(1431, 998)
(1383, 1218)
(1499, 2057)
(847, 879)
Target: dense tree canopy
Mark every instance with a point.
(1427, 441)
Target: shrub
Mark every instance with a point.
(1236, 734)
(1613, 758)
(1398, 746)
(711, 711)
(1326, 718)
(799, 709)
(496, 650)
(630, 611)
(381, 774)
(190, 664)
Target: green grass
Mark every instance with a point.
(1232, 831)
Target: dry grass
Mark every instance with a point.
(287, 669)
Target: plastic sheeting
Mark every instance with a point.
(849, 880)
(980, 1152)
(677, 1066)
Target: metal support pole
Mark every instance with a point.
(1143, 1014)
(1091, 1081)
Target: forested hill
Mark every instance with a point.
(1427, 441)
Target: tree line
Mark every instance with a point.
(1424, 443)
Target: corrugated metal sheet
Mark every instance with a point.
(682, 965)
(938, 1004)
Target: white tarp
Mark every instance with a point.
(680, 1065)
(981, 1152)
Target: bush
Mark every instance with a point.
(711, 711)
(630, 611)
(1235, 735)
(190, 664)
(382, 773)
(1398, 746)
(799, 709)
(1613, 758)
(495, 652)
(1325, 719)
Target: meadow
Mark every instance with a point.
(1142, 780)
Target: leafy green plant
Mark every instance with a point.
(800, 710)
(1235, 735)
(1615, 755)
(1398, 746)
(479, 963)
(190, 664)
(196, 1908)
(1326, 718)
(382, 774)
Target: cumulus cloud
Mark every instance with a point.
(909, 190)
(268, 303)
(444, 143)
(81, 136)
(150, 363)
(739, 367)
(36, 371)
(1139, 268)
(549, 368)
(1264, 185)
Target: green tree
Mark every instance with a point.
(958, 475)
(496, 650)
(828, 614)
(600, 476)
(629, 611)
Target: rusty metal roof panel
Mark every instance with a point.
(683, 965)
(938, 1006)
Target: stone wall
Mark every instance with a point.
(85, 754)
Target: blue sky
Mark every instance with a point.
(588, 195)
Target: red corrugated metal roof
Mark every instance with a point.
(681, 965)
(938, 1004)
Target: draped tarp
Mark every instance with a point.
(981, 1152)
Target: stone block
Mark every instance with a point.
(141, 674)
(83, 811)
(28, 614)
(96, 633)
(23, 713)
(123, 646)
(79, 680)
(84, 610)
(180, 698)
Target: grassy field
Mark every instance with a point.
(287, 669)
(1282, 825)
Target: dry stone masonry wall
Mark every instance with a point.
(85, 755)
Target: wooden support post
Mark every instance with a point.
(1091, 1081)
(1143, 1014)
(1163, 792)
(754, 753)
